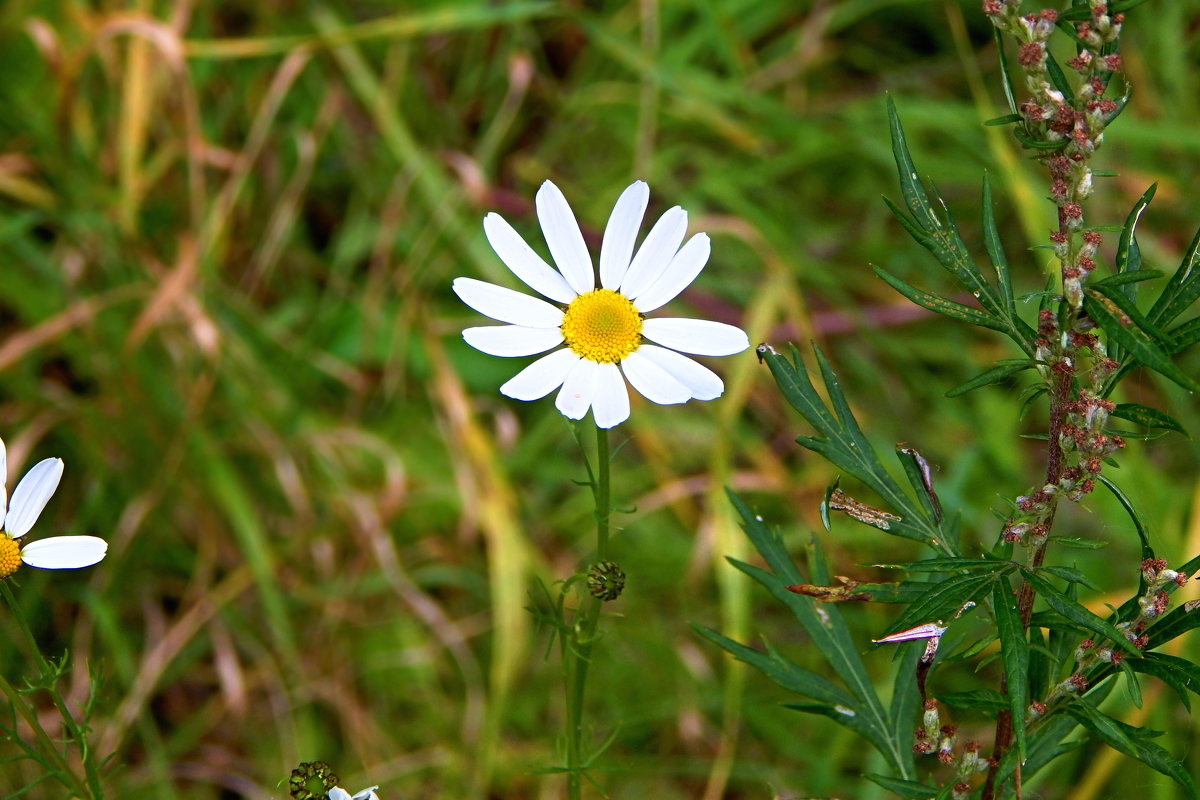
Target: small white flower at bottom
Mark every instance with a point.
(606, 333)
(17, 517)
(338, 793)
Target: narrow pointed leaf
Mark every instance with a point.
(908, 790)
(995, 250)
(1136, 341)
(942, 602)
(1014, 650)
(1126, 739)
(1073, 611)
(940, 305)
(993, 375)
(1150, 417)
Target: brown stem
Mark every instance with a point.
(1060, 395)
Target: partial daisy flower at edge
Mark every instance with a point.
(338, 793)
(18, 516)
(605, 330)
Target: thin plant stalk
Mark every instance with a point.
(577, 648)
(93, 788)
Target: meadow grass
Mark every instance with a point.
(227, 235)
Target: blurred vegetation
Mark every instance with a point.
(227, 234)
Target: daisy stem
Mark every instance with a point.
(48, 677)
(578, 652)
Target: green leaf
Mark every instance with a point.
(1005, 120)
(794, 678)
(1059, 78)
(1127, 739)
(942, 602)
(1075, 612)
(937, 235)
(1129, 256)
(1180, 674)
(993, 375)
(941, 305)
(1030, 143)
(995, 251)
(1119, 324)
(908, 790)
(841, 441)
(1149, 417)
(1139, 526)
(828, 632)
(1070, 575)
(952, 565)
(980, 699)
(1077, 543)
(1014, 650)
(1005, 79)
(1125, 278)
(1183, 288)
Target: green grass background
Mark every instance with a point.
(227, 235)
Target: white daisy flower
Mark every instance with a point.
(604, 329)
(338, 793)
(18, 516)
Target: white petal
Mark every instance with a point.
(524, 263)
(700, 380)
(656, 252)
(652, 381)
(541, 377)
(564, 239)
(621, 232)
(64, 552)
(31, 496)
(578, 389)
(338, 793)
(506, 305)
(367, 794)
(512, 340)
(698, 336)
(3, 482)
(610, 406)
(679, 274)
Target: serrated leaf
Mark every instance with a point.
(1125, 739)
(908, 790)
(1149, 417)
(993, 375)
(941, 305)
(1014, 650)
(1073, 611)
(1119, 324)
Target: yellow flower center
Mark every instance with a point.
(10, 555)
(602, 326)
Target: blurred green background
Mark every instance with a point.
(227, 235)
